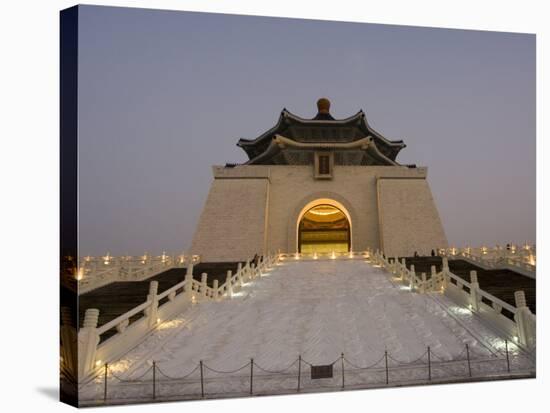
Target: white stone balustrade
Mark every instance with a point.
(88, 339)
(526, 321)
(520, 259)
(96, 272)
(93, 355)
(522, 327)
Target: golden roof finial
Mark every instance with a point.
(323, 105)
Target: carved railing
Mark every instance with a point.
(518, 322)
(94, 353)
(95, 272)
(521, 259)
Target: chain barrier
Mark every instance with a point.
(441, 365)
(328, 364)
(306, 362)
(403, 363)
(177, 378)
(367, 367)
(448, 371)
(137, 379)
(228, 371)
(278, 371)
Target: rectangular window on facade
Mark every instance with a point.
(324, 165)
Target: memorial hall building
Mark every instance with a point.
(318, 185)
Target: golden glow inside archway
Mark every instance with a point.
(324, 228)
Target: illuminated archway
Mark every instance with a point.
(323, 226)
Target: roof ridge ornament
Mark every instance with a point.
(323, 105)
(323, 110)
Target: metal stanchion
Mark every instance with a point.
(387, 371)
(468, 357)
(251, 375)
(154, 380)
(343, 375)
(105, 382)
(507, 356)
(202, 380)
(429, 365)
(299, 371)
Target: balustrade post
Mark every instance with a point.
(228, 284)
(189, 279)
(215, 287)
(88, 339)
(252, 271)
(423, 287)
(445, 270)
(433, 273)
(246, 272)
(474, 291)
(261, 264)
(525, 321)
(204, 285)
(412, 276)
(152, 310)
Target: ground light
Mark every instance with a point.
(170, 324)
(460, 310)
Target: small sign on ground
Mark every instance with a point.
(321, 372)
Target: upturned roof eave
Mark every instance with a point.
(276, 143)
(396, 143)
(286, 114)
(250, 145)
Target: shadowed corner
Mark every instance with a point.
(49, 392)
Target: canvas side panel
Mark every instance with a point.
(409, 220)
(68, 204)
(232, 223)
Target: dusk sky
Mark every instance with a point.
(165, 95)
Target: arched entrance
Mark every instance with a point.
(324, 228)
